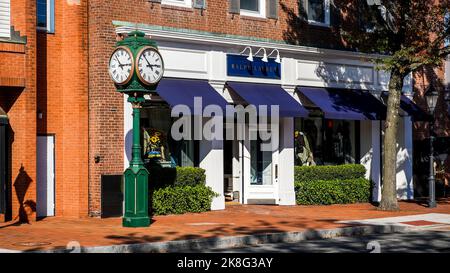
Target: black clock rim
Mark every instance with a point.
(132, 65)
(138, 55)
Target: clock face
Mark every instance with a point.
(121, 65)
(150, 66)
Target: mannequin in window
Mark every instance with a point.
(303, 152)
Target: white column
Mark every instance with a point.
(211, 160)
(366, 147)
(286, 162)
(404, 175)
(246, 167)
(375, 166)
(237, 166)
(127, 131)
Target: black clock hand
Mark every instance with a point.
(120, 64)
(148, 63)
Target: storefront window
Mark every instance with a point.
(321, 141)
(158, 145)
(261, 164)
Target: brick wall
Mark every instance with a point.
(422, 80)
(106, 106)
(62, 99)
(77, 98)
(105, 130)
(18, 99)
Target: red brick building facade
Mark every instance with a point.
(44, 91)
(106, 106)
(59, 85)
(18, 100)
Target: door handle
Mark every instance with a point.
(276, 171)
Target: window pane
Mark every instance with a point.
(41, 13)
(260, 164)
(158, 144)
(308, 141)
(320, 141)
(316, 10)
(252, 5)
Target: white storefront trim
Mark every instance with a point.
(199, 56)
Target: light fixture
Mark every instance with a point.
(278, 59)
(250, 55)
(432, 97)
(264, 58)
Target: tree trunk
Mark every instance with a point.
(389, 188)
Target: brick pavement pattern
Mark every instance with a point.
(57, 232)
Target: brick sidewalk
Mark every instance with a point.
(56, 232)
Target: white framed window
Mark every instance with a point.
(178, 3)
(45, 14)
(255, 8)
(5, 19)
(318, 11)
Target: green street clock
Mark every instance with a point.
(136, 67)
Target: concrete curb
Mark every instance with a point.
(231, 241)
(4, 250)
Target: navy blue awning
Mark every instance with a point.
(416, 113)
(259, 94)
(345, 103)
(412, 109)
(183, 91)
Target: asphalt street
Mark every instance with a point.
(424, 241)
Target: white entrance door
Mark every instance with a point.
(260, 174)
(45, 176)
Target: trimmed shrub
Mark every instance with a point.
(320, 192)
(180, 176)
(182, 199)
(190, 176)
(340, 172)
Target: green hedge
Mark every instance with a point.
(180, 176)
(190, 176)
(329, 192)
(341, 172)
(182, 199)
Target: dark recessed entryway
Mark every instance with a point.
(3, 163)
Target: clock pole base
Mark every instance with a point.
(135, 221)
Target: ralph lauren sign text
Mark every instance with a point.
(238, 65)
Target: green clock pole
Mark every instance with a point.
(136, 197)
(136, 177)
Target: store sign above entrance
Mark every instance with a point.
(240, 66)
